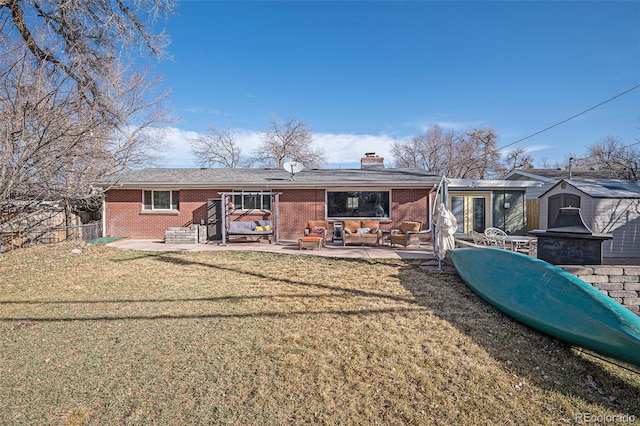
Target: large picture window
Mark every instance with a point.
(246, 200)
(358, 204)
(161, 200)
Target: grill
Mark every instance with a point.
(569, 241)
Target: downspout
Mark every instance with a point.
(103, 212)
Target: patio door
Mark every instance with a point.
(471, 210)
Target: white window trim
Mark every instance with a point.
(154, 210)
(261, 192)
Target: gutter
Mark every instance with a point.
(272, 186)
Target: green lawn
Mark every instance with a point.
(120, 337)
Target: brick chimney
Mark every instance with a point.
(371, 160)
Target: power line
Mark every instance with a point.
(572, 117)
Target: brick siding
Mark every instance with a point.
(124, 216)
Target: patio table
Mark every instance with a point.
(517, 241)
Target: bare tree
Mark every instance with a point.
(218, 148)
(82, 39)
(484, 157)
(73, 109)
(518, 158)
(289, 139)
(469, 156)
(433, 150)
(54, 147)
(620, 160)
(544, 163)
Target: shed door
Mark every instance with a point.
(556, 202)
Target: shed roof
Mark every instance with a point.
(273, 178)
(550, 175)
(489, 184)
(604, 188)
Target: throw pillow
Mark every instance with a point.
(317, 230)
(267, 227)
(259, 229)
(374, 231)
(362, 231)
(321, 223)
(370, 224)
(352, 225)
(347, 230)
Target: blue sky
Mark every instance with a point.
(363, 74)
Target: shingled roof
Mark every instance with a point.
(274, 178)
(552, 175)
(605, 188)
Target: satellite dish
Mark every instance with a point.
(293, 167)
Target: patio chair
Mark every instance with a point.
(532, 247)
(479, 239)
(495, 237)
(317, 228)
(409, 233)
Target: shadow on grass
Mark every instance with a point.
(272, 314)
(163, 257)
(544, 361)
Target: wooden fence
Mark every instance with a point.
(49, 235)
(533, 215)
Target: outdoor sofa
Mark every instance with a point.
(361, 232)
(253, 229)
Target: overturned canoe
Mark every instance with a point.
(551, 300)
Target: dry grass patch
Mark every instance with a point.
(124, 337)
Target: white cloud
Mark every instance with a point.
(345, 150)
(527, 149)
(249, 140)
(342, 150)
(535, 148)
(178, 147)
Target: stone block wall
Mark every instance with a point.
(192, 235)
(620, 282)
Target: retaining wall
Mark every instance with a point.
(182, 235)
(620, 282)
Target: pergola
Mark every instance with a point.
(275, 212)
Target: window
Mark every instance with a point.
(161, 200)
(245, 200)
(358, 204)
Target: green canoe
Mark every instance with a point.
(551, 300)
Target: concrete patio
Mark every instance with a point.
(425, 251)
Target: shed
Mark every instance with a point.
(608, 206)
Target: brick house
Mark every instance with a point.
(144, 203)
